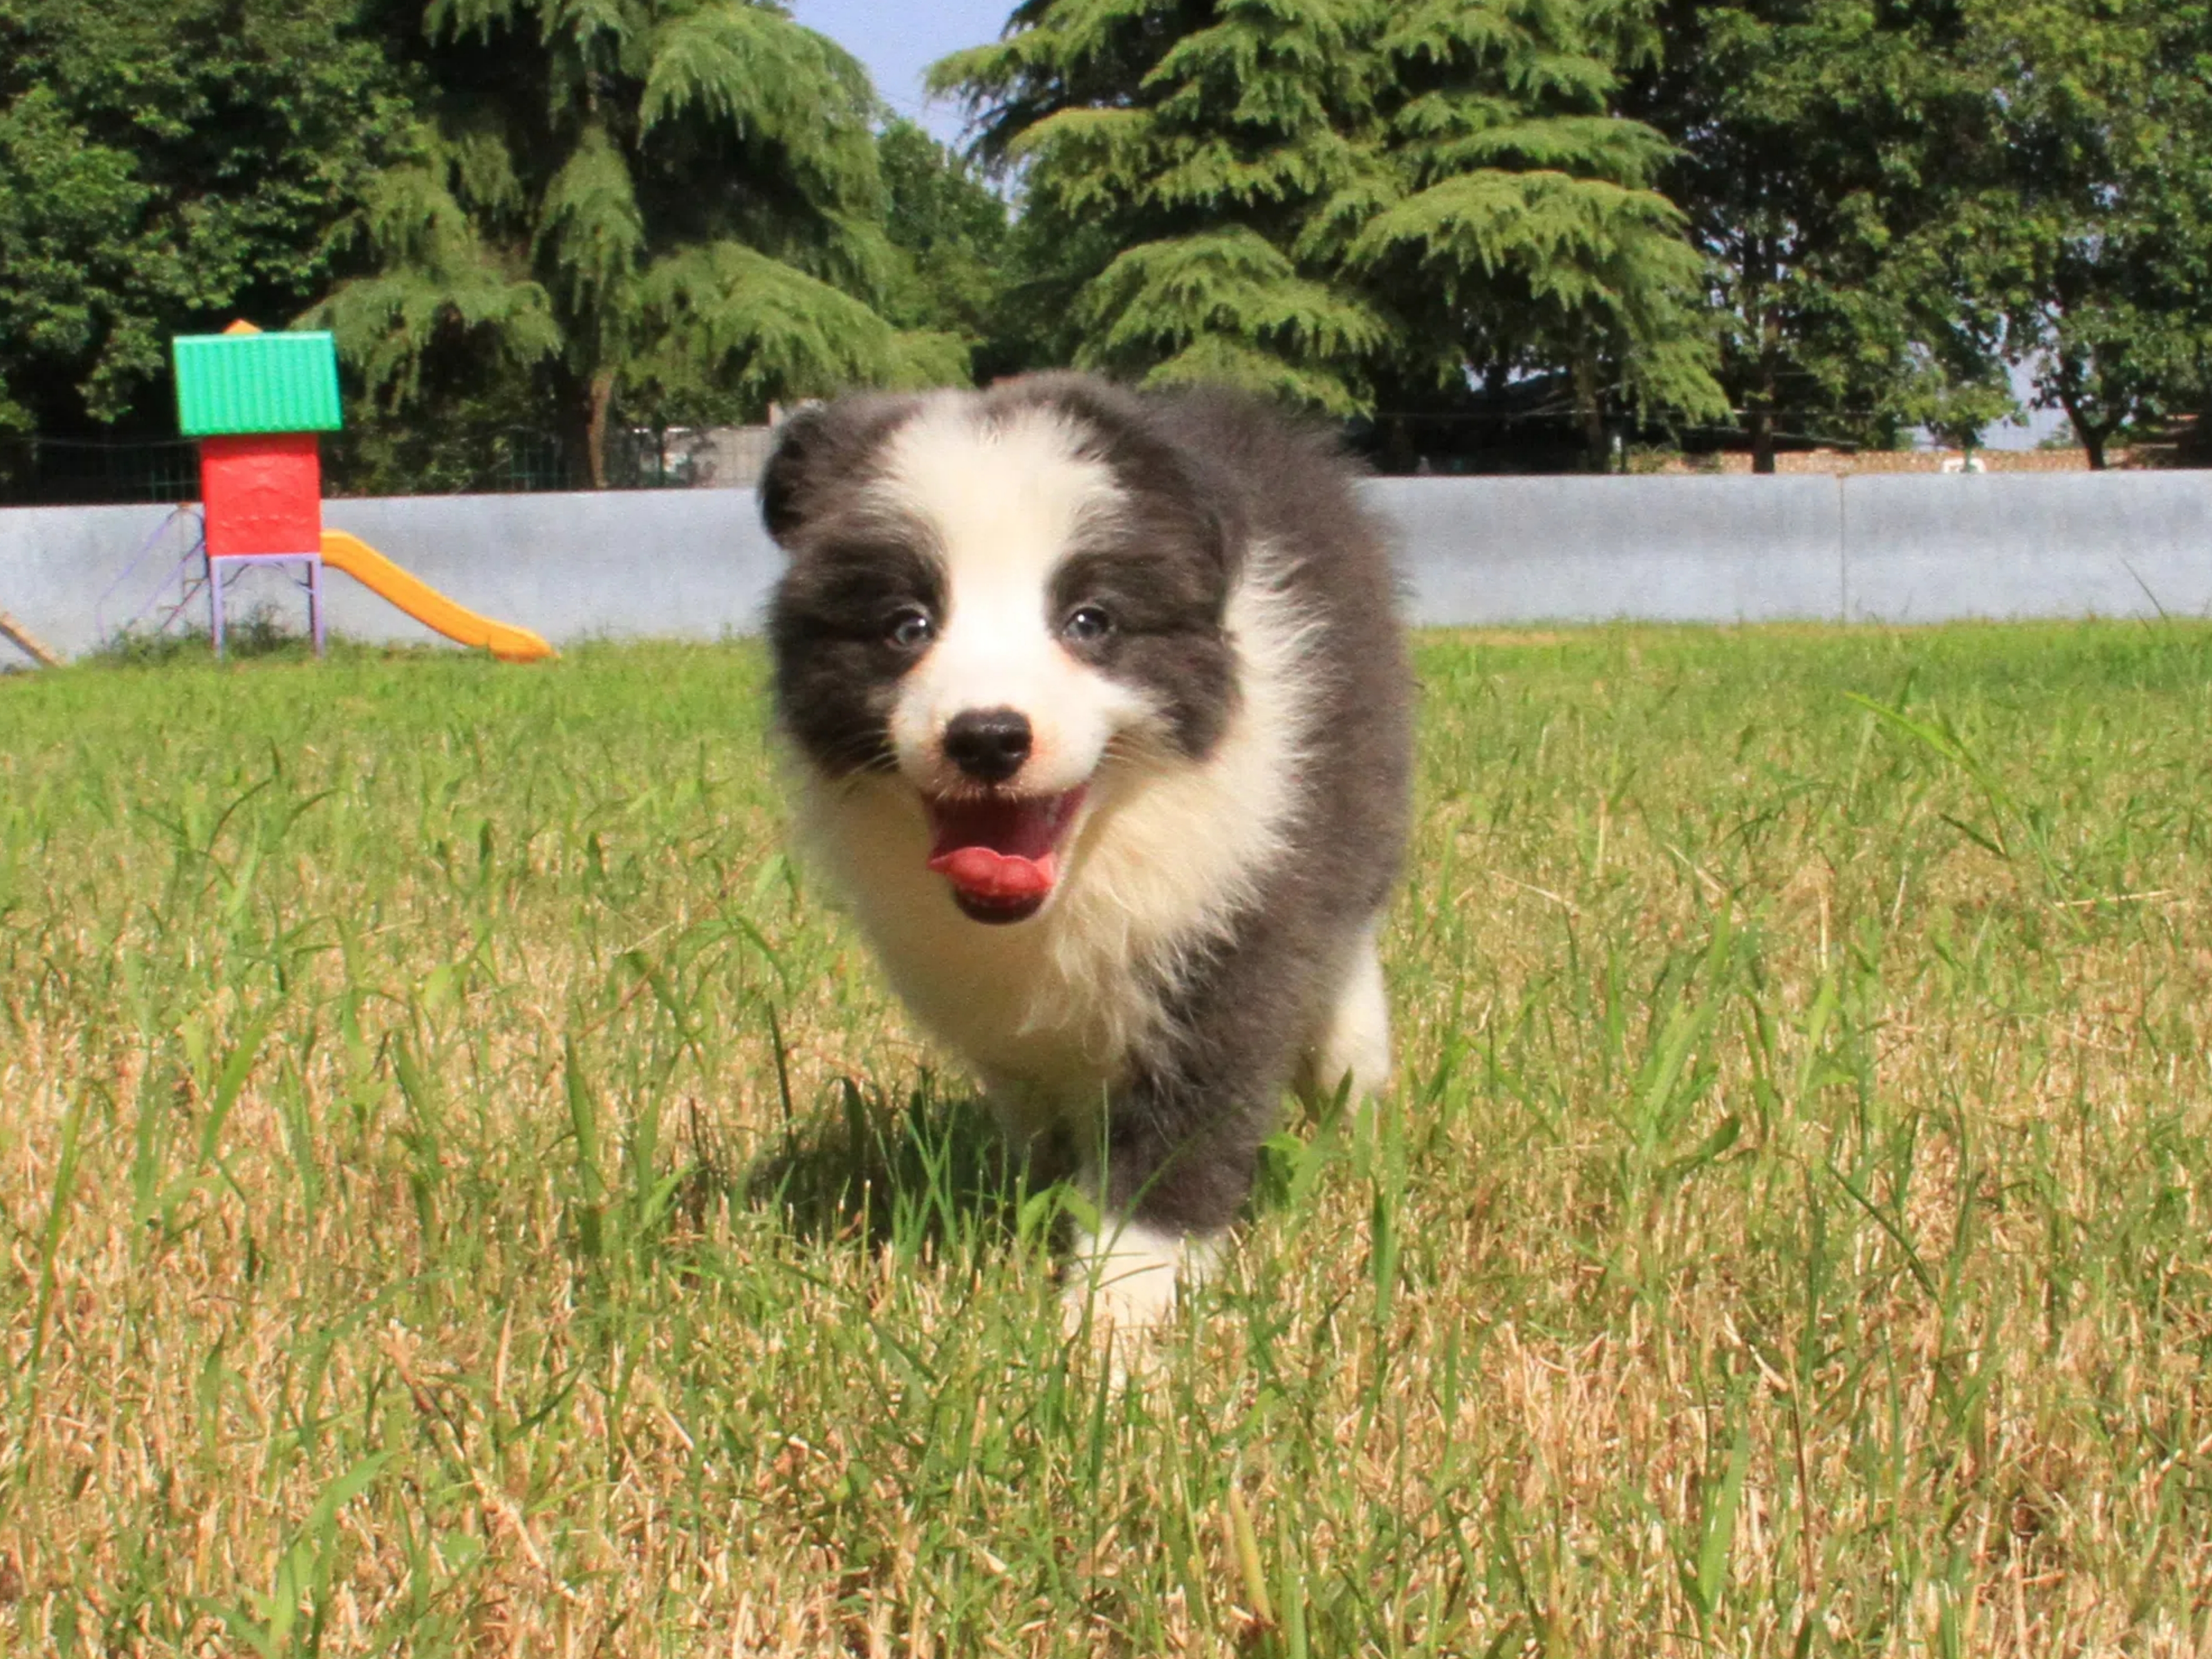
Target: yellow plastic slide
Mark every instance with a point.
(342, 551)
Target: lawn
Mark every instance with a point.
(464, 1190)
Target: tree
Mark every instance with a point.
(73, 325)
(1319, 197)
(1512, 226)
(2103, 215)
(1828, 154)
(668, 207)
(1177, 154)
(947, 229)
(168, 164)
(952, 249)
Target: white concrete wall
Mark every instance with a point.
(1925, 549)
(648, 563)
(696, 564)
(1479, 551)
(56, 563)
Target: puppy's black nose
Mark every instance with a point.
(989, 744)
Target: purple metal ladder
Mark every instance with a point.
(193, 572)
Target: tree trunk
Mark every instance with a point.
(2093, 434)
(595, 433)
(1589, 404)
(1762, 417)
(582, 430)
(1399, 455)
(1762, 441)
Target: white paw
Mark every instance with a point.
(1126, 1281)
(1352, 1047)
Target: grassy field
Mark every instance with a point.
(462, 1190)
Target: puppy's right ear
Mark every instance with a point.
(798, 442)
(820, 443)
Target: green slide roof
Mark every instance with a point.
(237, 382)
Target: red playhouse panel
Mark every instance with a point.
(264, 493)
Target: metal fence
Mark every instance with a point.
(41, 471)
(61, 471)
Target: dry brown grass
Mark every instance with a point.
(1789, 1234)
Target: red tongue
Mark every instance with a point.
(989, 875)
(999, 849)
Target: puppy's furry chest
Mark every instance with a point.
(1051, 1025)
(1056, 1005)
(1169, 855)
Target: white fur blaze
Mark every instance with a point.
(1004, 501)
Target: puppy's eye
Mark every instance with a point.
(909, 628)
(1086, 624)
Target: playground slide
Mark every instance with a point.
(426, 603)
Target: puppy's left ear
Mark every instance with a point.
(817, 444)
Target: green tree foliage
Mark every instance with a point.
(167, 164)
(1514, 225)
(948, 231)
(1176, 156)
(1319, 197)
(1844, 217)
(2100, 233)
(1902, 203)
(1829, 153)
(667, 210)
(74, 321)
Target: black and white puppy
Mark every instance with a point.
(1104, 718)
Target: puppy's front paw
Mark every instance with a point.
(1126, 1281)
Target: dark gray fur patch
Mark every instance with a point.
(837, 669)
(1183, 1136)
(1203, 474)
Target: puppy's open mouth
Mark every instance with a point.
(1001, 853)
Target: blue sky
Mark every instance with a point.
(897, 42)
